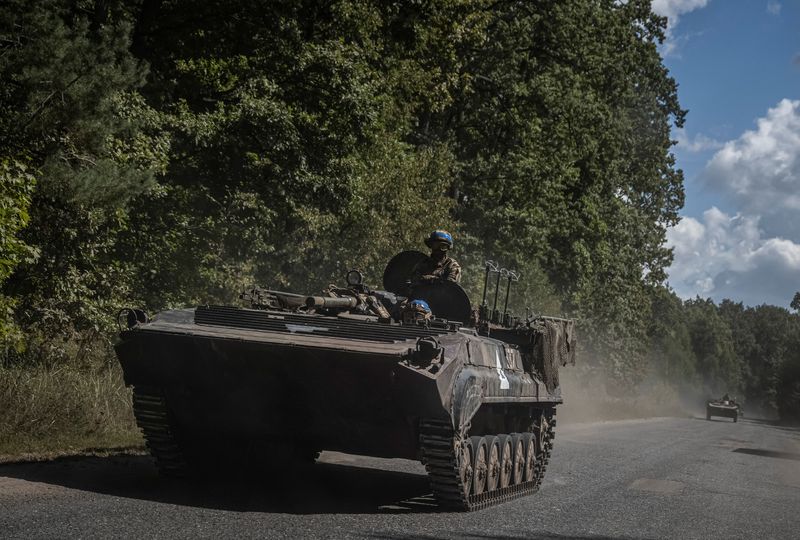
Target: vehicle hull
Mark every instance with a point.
(214, 383)
(721, 410)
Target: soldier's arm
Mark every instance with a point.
(453, 272)
(422, 273)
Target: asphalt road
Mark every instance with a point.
(658, 478)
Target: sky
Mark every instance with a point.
(737, 65)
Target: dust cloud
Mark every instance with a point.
(591, 396)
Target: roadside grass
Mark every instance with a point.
(46, 411)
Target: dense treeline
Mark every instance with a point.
(166, 152)
(752, 353)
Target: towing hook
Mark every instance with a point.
(128, 318)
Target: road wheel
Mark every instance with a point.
(506, 461)
(465, 469)
(479, 465)
(518, 461)
(493, 463)
(530, 456)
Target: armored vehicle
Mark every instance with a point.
(726, 408)
(290, 375)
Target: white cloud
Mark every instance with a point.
(672, 10)
(753, 256)
(760, 171)
(723, 256)
(773, 7)
(698, 143)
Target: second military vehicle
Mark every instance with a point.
(726, 408)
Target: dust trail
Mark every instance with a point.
(591, 396)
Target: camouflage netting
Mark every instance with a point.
(555, 345)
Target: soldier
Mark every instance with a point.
(415, 312)
(437, 266)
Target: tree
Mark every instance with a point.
(670, 339)
(66, 77)
(712, 343)
(788, 388)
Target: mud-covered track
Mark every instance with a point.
(152, 417)
(442, 459)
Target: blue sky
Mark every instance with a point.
(737, 63)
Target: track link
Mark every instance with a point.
(152, 417)
(441, 452)
(546, 447)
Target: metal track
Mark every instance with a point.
(543, 457)
(440, 451)
(152, 417)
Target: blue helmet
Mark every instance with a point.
(421, 304)
(439, 236)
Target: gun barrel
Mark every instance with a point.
(329, 302)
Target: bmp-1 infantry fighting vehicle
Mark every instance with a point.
(470, 393)
(724, 407)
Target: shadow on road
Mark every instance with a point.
(768, 453)
(510, 535)
(726, 420)
(323, 488)
(782, 426)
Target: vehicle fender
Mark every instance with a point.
(468, 392)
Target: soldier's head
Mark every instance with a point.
(416, 311)
(439, 242)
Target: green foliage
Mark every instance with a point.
(65, 72)
(712, 344)
(398, 196)
(286, 166)
(788, 387)
(671, 343)
(16, 189)
(765, 339)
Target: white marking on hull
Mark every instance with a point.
(500, 373)
(295, 328)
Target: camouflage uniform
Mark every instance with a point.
(444, 269)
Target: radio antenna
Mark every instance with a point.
(491, 266)
(512, 275)
(496, 314)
